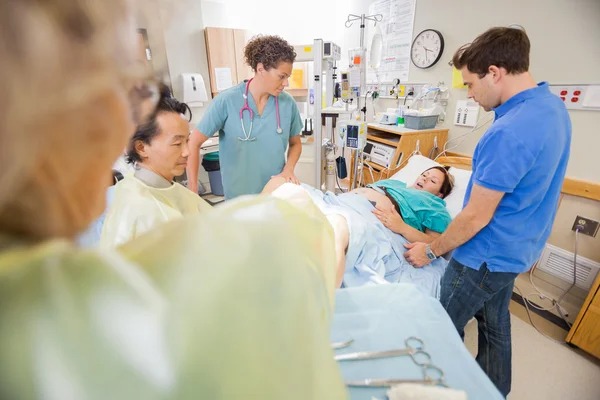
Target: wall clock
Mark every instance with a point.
(427, 48)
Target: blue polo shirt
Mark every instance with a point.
(524, 154)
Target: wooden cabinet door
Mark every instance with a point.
(220, 47)
(240, 39)
(585, 332)
(587, 336)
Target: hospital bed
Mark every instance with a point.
(375, 254)
(382, 317)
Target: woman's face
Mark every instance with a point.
(430, 181)
(276, 79)
(168, 151)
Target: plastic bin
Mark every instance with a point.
(425, 122)
(210, 162)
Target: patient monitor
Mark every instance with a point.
(380, 153)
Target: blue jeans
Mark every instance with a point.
(485, 295)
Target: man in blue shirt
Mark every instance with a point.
(518, 170)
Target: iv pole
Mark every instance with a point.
(363, 78)
(363, 73)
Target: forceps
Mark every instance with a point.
(341, 345)
(419, 356)
(432, 375)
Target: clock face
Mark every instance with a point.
(427, 48)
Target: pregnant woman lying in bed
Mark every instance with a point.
(373, 224)
(418, 212)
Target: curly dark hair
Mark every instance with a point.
(268, 50)
(150, 129)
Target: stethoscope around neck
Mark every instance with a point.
(248, 135)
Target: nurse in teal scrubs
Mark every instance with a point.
(256, 121)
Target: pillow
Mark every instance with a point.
(417, 164)
(413, 168)
(456, 198)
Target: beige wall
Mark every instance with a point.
(149, 19)
(564, 36)
(185, 45)
(176, 37)
(563, 237)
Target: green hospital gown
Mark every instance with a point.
(169, 316)
(420, 209)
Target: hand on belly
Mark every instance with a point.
(379, 199)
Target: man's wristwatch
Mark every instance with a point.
(430, 254)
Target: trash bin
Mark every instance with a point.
(211, 164)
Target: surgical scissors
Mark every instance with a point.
(432, 375)
(419, 356)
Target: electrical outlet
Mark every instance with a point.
(588, 226)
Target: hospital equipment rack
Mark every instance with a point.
(406, 141)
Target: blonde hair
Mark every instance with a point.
(61, 61)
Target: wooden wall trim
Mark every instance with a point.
(581, 188)
(454, 154)
(456, 161)
(571, 186)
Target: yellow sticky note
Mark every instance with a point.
(457, 80)
(401, 91)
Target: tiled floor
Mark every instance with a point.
(543, 369)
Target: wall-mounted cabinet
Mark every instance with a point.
(225, 49)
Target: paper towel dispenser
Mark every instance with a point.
(194, 90)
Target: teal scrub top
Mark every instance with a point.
(247, 166)
(420, 209)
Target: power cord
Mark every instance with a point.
(434, 150)
(361, 164)
(337, 180)
(555, 303)
(464, 135)
(410, 93)
(531, 320)
(371, 172)
(408, 158)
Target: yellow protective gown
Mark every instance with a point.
(230, 304)
(137, 208)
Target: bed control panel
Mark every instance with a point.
(380, 153)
